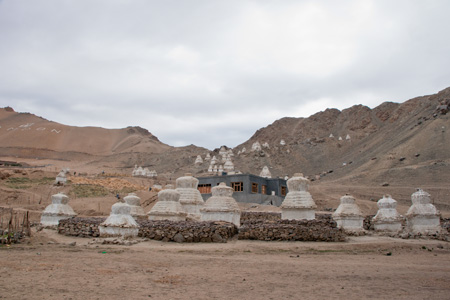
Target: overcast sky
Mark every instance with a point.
(211, 73)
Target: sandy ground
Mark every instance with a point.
(48, 267)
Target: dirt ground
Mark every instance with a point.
(47, 266)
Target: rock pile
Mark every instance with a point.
(82, 227)
(322, 229)
(188, 232)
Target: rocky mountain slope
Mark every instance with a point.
(407, 142)
(26, 135)
(392, 142)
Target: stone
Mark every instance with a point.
(298, 204)
(58, 210)
(168, 207)
(422, 217)
(221, 206)
(387, 217)
(265, 172)
(119, 222)
(348, 216)
(190, 198)
(135, 203)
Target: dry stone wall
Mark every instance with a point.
(323, 228)
(189, 232)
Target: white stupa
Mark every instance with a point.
(135, 203)
(256, 146)
(168, 207)
(221, 206)
(198, 160)
(228, 166)
(208, 157)
(298, 204)
(210, 169)
(387, 217)
(214, 160)
(348, 216)
(265, 172)
(61, 178)
(282, 142)
(423, 217)
(58, 210)
(190, 198)
(266, 145)
(119, 222)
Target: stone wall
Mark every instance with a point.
(189, 232)
(249, 216)
(323, 229)
(157, 230)
(82, 227)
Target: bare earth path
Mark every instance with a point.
(49, 268)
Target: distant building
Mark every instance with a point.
(247, 188)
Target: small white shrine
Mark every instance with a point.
(190, 198)
(298, 204)
(422, 217)
(120, 222)
(348, 216)
(58, 210)
(387, 218)
(168, 207)
(221, 206)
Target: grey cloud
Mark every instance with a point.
(179, 68)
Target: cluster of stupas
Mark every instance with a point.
(139, 171)
(218, 165)
(185, 203)
(347, 137)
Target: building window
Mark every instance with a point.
(237, 186)
(204, 188)
(254, 187)
(264, 189)
(283, 191)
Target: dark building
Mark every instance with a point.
(248, 188)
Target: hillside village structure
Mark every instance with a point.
(247, 188)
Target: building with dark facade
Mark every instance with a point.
(248, 188)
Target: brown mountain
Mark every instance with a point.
(27, 136)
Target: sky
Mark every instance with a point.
(211, 73)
